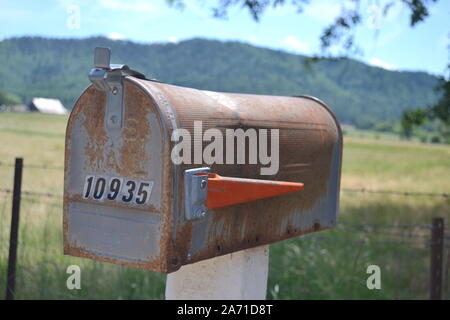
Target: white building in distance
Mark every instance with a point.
(45, 105)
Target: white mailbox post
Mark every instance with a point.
(240, 275)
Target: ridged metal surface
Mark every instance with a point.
(310, 151)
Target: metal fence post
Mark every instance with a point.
(437, 252)
(13, 237)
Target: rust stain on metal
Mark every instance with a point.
(308, 138)
(219, 246)
(135, 133)
(168, 205)
(74, 249)
(65, 226)
(94, 104)
(132, 156)
(183, 243)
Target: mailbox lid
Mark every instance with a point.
(106, 227)
(310, 152)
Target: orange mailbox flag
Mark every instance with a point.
(227, 191)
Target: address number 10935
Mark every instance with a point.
(117, 189)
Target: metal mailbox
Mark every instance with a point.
(128, 201)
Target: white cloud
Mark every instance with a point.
(115, 36)
(173, 39)
(294, 44)
(382, 64)
(131, 5)
(252, 40)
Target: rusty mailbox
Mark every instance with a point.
(133, 196)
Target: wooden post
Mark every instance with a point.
(11, 277)
(240, 275)
(437, 252)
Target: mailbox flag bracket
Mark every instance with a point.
(107, 77)
(206, 191)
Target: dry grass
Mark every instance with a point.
(329, 264)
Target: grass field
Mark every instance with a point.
(384, 229)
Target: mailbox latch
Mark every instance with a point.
(205, 191)
(108, 77)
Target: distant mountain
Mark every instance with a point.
(58, 68)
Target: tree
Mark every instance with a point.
(410, 118)
(439, 112)
(339, 34)
(8, 99)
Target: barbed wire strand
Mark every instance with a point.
(357, 190)
(340, 225)
(33, 193)
(33, 166)
(397, 192)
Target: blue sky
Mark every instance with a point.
(386, 41)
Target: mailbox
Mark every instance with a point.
(134, 196)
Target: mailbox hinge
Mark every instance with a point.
(205, 191)
(108, 77)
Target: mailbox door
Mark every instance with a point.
(116, 181)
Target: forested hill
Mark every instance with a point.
(356, 92)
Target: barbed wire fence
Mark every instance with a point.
(40, 241)
(355, 190)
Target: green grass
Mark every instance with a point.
(325, 265)
(332, 264)
(353, 132)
